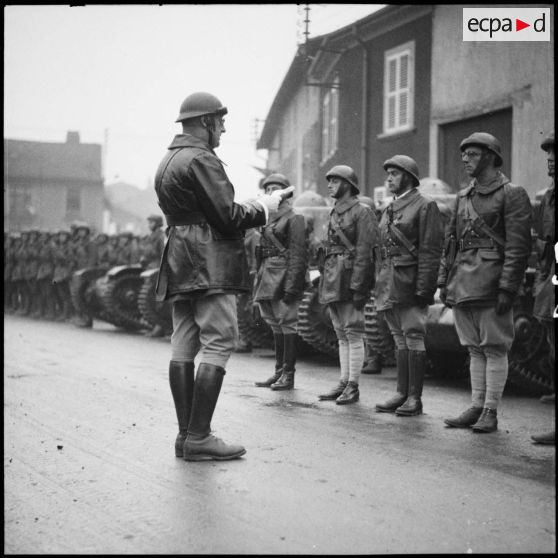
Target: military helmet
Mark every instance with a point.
(346, 173)
(309, 198)
(404, 163)
(276, 178)
(548, 142)
(484, 139)
(156, 218)
(198, 104)
(368, 201)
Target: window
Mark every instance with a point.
(399, 85)
(330, 122)
(73, 200)
(21, 205)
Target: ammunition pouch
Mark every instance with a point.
(472, 243)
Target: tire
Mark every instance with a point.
(314, 325)
(83, 293)
(119, 296)
(153, 312)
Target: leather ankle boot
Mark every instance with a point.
(417, 368)
(286, 381)
(279, 343)
(335, 392)
(181, 380)
(466, 419)
(488, 421)
(400, 397)
(350, 394)
(200, 444)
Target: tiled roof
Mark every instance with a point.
(36, 159)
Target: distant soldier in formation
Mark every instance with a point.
(102, 251)
(347, 277)
(11, 302)
(45, 274)
(83, 252)
(411, 237)
(488, 243)
(546, 269)
(63, 268)
(128, 252)
(282, 262)
(153, 244)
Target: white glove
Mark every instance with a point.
(272, 201)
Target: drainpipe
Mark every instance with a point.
(364, 111)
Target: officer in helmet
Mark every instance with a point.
(411, 236)
(282, 261)
(347, 277)
(202, 269)
(544, 306)
(488, 243)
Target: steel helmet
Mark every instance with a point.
(486, 140)
(346, 173)
(309, 198)
(198, 104)
(276, 178)
(404, 163)
(156, 218)
(548, 141)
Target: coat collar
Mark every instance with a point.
(399, 203)
(287, 208)
(344, 206)
(497, 182)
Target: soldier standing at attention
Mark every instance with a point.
(282, 261)
(488, 243)
(347, 277)
(202, 269)
(545, 301)
(63, 266)
(154, 244)
(411, 239)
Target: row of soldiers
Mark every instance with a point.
(38, 265)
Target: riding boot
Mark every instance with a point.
(286, 381)
(181, 380)
(200, 444)
(279, 342)
(417, 368)
(389, 406)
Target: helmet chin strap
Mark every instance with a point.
(482, 164)
(344, 187)
(209, 125)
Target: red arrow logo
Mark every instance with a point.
(519, 25)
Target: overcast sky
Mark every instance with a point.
(121, 72)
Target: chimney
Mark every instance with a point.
(72, 138)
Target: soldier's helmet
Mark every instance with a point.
(484, 139)
(276, 178)
(156, 219)
(309, 198)
(548, 142)
(199, 104)
(404, 163)
(346, 173)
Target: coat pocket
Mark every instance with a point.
(405, 271)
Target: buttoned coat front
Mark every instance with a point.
(349, 271)
(404, 275)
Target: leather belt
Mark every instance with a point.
(192, 218)
(472, 243)
(269, 252)
(333, 250)
(389, 252)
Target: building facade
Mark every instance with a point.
(47, 186)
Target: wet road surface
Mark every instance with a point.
(89, 462)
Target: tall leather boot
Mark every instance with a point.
(181, 380)
(286, 381)
(200, 444)
(417, 368)
(279, 343)
(389, 406)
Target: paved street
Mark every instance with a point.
(89, 464)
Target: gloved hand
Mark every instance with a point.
(504, 303)
(272, 201)
(359, 300)
(288, 298)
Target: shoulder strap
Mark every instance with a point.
(341, 234)
(411, 248)
(476, 219)
(269, 234)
